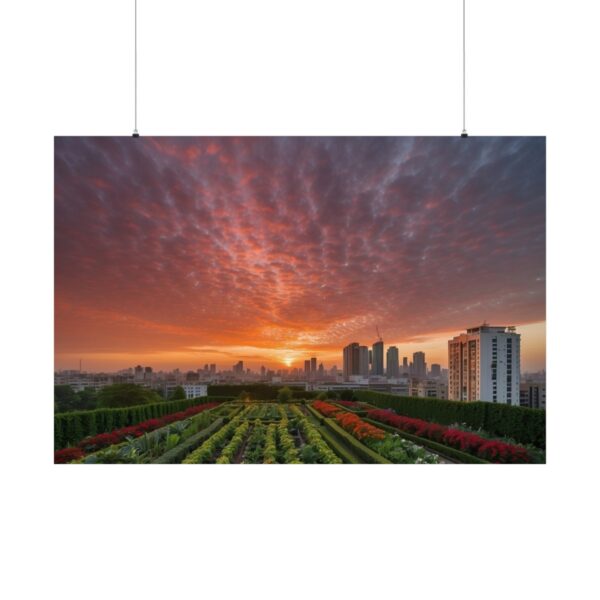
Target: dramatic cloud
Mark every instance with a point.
(270, 247)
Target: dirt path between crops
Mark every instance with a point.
(240, 453)
(298, 439)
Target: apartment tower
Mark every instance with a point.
(484, 364)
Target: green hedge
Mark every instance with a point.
(257, 391)
(304, 395)
(338, 448)
(525, 425)
(70, 428)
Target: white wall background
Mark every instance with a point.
(298, 67)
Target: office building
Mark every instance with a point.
(138, 373)
(405, 370)
(533, 394)
(377, 363)
(192, 390)
(392, 362)
(351, 357)
(238, 368)
(363, 361)
(419, 366)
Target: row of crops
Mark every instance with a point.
(235, 432)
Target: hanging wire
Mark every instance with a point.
(135, 61)
(464, 52)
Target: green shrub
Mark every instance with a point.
(525, 425)
(120, 395)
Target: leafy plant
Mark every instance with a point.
(286, 444)
(214, 443)
(172, 441)
(270, 450)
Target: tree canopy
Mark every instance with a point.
(66, 399)
(284, 394)
(178, 393)
(119, 395)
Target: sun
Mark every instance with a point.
(287, 361)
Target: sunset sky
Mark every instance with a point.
(176, 252)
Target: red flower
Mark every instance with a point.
(359, 428)
(491, 450)
(66, 455)
(329, 410)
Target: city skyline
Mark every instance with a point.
(273, 250)
(333, 358)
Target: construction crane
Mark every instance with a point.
(378, 334)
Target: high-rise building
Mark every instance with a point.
(307, 368)
(419, 369)
(263, 372)
(313, 365)
(392, 363)
(238, 368)
(405, 366)
(213, 369)
(138, 373)
(351, 360)
(192, 376)
(436, 371)
(377, 365)
(532, 394)
(321, 371)
(363, 361)
(484, 364)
